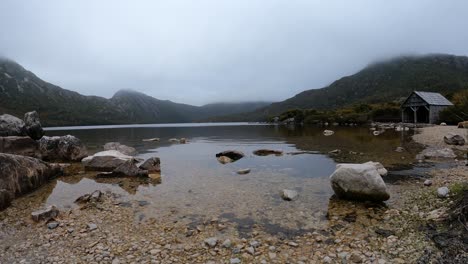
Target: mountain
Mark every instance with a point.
(385, 81)
(22, 91)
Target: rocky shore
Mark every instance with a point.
(414, 226)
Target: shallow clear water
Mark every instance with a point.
(196, 186)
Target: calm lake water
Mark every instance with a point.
(196, 186)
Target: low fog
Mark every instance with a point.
(200, 52)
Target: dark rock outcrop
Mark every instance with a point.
(25, 146)
(64, 148)
(232, 154)
(11, 126)
(20, 175)
(33, 125)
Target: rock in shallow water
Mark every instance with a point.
(120, 148)
(359, 182)
(243, 171)
(288, 195)
(152, 165)
(266, 152)
(224, 159)
(105, 160)
(232, 154)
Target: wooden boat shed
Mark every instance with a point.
(423, 107)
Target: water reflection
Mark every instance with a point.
(195, 185)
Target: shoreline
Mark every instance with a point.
(112, 231)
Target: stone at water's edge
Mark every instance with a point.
(33, 125)
(359, 182)
(45, 214)
(64, 148)
(105, 160)
(266, 152)
(20, 175)
(435, 152)
(121, 148)
(11, 126)
(24, 146)
(130, 169)
(454, 139)
(152, 165)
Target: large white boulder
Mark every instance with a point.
(359, 182)
(105, 160)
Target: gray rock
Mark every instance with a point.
(20, 175)
(92, 226)
(151, 140)
(90, 197)
(250, 250)
(24, 146)
(443, 192)
(399, 149)
(211, 242)
(11, 126)
(359, 182)
(379, 167)
(46, 214)
(152, 165)
(33, 125)
(232, 154)
(227, 243)
(427, 183)
(52, 225)
(454, 139)
(130, 169)
(63, 148)
(243, 171)
(105, 160)
(235, 261)
(120, 148)
(288, 195)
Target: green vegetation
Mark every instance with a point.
(357, 114)
(459, 111)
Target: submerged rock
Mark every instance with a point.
(359, 182)
(20, 175)
(288, 195)
(65, 148)
(126, 169)
(224, 159)
(105, 160)
(232, 154)
(327, 132)
(45, 214)
(90, 197)
(454, 139)
(152, 165)
(266, 152)
(24, 146)
(120, 148)
(11, 126)
(33, 126)
(243, 171)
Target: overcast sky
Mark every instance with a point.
(221, 50)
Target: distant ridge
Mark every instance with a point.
(22, 91)
(384, 81)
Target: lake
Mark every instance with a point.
(195, 186)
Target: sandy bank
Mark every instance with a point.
(434, 136)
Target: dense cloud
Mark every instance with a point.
(205, 51)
